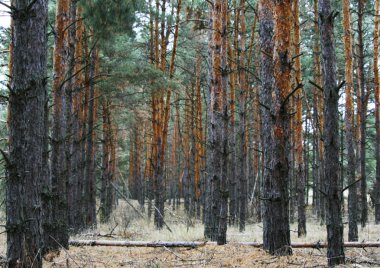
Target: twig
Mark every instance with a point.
(316, 85)
(299, 86)
(350, 185)
(126, 200)
(162, 217)
(64, 250)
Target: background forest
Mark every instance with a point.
(230, 113)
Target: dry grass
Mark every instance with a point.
(126, 225)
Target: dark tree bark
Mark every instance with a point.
(266, 18)
(241, 175)
(299, 150)
(335, 251)
(216, 203)
(58, 234)
(70, 94)
(75, 202)
(90, 187)
(319, 199)
(349, 124)
(376, 194)
(276, 236)
(224, 119)
(363, 117)
(207, 215)
(106, 204)
(26, 168)
(232, 51)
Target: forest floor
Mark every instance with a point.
(125, 225)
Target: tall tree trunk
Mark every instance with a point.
(377, 113)
(90, 180)
(26, 169)
(214, 224)
(349, 123)
(224, 119)
(75, 205)
(266, 17)
(106, 190)
(84, 101)
(71, 119)
(242, 179)
(318, 119)
(299, 161)
(318, 122)
(232, 163)
(198, 131)
(59, 233)
(277, 237)
(335, 251)
(363, 117)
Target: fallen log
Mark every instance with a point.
(195, 244)
(138, 243)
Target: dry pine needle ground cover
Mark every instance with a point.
(125, 225)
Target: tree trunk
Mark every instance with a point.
(266, 18)
(349, 124)
(377, 114)
(299, 161)
(71, 117)
(232, 163)
(26, 170)
(277, 237)
(363, 117)
(242, 179)
(90, 180)
(223, 121)
(318, 122)
(216, 218)
(106, 205)
(75, 204)
(335, 251)
(59, 231)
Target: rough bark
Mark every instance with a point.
(377, 114)
(335, 251)
(299, 160)
(106, 190)
(241, 175)
(277, 237)
(349, 124)
(318, 122)
(216, 217)
(59, 227)
(89, 187)
(27, 134)
(70, 91)
(266, 44)
(231, 56)
(363, 118)
(224, 119)
(75, 203)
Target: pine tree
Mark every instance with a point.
(58, 235)
(377, 113)
(352, 196)
(26, 162)
(335, 251)
(299, 160)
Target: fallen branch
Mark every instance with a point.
(126, 200)
(195, 244)
(155, 244)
